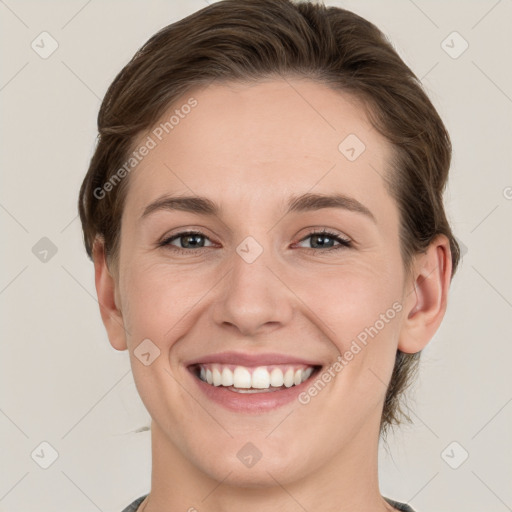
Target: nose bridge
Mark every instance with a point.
(252, 295)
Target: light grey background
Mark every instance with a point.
(61, 382)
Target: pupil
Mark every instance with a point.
(320, 240)
(192, 240)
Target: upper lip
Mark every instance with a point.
(244, 359)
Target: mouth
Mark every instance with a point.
(252, 388)
(262, 379)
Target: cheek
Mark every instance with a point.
(352, 298)
(159, 297)
(359, 307)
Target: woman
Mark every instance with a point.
(264, 212)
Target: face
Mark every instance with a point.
(289, 304)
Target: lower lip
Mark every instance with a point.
(251, 402)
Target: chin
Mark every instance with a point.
(235, 467)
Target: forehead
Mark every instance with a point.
(269, 138)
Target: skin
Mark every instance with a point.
(248, 148)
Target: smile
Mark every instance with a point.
(261, 379)
(247, 383)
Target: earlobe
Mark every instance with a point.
(106, 289)
(425, 304)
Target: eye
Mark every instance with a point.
(187, 240)
(325, 239)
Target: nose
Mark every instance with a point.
(254, 298)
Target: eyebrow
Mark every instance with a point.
(302, 203)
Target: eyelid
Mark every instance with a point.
(316, 230)
(329, 232)
(167, 239)
(343, 240)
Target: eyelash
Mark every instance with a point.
(343, 243)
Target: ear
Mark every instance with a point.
(106, 289)
(426, 298)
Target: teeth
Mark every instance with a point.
(288, 378)
(276, 378)
(217, 378)
(227, 377)
(241, 377)
(260, 378)
(307, 374)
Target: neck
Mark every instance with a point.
(348, 482)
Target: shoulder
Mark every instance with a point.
(132, 507)
(403, 507)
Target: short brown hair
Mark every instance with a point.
(250, 40)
